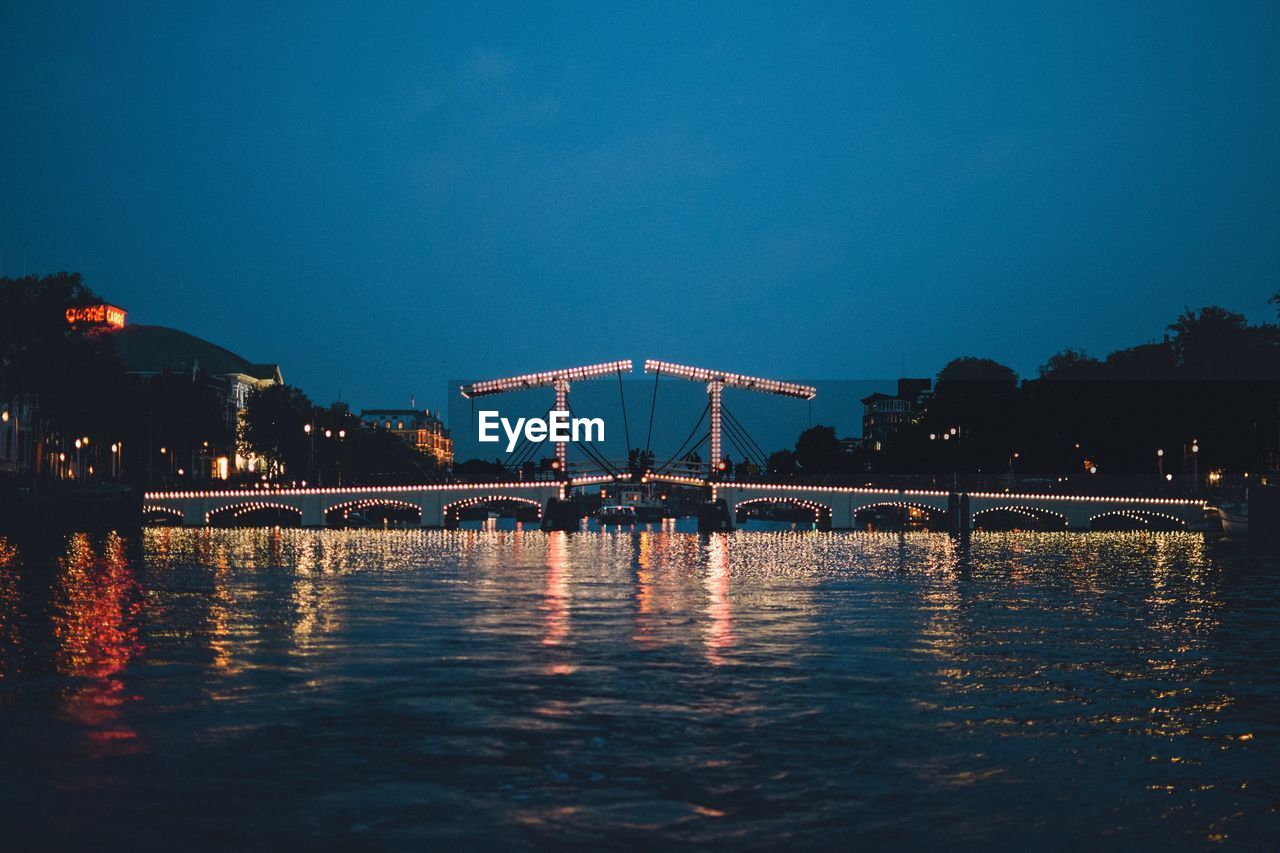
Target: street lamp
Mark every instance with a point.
(1160, 462)
(1195, 463)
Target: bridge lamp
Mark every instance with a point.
(181, 472)
(328, 433)
(933, 436)
(1168, 478)
(114, 447)
(78, 444)
(1093, 469)
(306, 428)
(4, 416)
(162, 451)
(953, 430)
(1160, 453)
(85, 440)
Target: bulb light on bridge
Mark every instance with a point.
(731, 380)
(548, 377)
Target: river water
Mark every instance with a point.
(508, 689)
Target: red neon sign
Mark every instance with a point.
(101, 314)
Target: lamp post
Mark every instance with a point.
(342, 437)
(310, 430)
(1160, 462)
(1195, 464)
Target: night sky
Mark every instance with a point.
(386, 196)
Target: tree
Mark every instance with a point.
(1071, 364)
(818, 450)
(275, 418)
(782, 462)
(971, 369)
(639, 461)
(1215, 343)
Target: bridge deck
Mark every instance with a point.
(839, 506)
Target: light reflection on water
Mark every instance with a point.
(406, 688)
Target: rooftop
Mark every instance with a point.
(155, 349)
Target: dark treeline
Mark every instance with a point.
(328, 446)
(1207, 395)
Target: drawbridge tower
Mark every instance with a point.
(717, 381)
(556, 379)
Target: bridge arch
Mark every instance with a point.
(452, 511)
(1045, 519)
(152, 513)
(340, 512)
(229, 514)
(821, 512)
(1137, 519)
(932, 517)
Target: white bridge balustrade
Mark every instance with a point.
(1066, 512)
(439, 505)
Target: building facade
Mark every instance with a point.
(885, 414)
(418, 428)
(149, 351)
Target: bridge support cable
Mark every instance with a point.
(738, 448)
(591, 453)
(653, 407)
(680, 452)
(735, 426)
(626, 426)
(735, 438)
(706, 436)
(523, 453)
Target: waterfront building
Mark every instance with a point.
(418, 428)
(149, 351)
(885, 414)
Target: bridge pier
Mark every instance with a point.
(431, 505)
(313, 509)
(959, 516)
(714, 517)
(193, 514)
(562, 515)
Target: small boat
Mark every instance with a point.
(642, 501)
(1235, 518)
(616, 514)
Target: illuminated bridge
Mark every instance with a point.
(830, 507)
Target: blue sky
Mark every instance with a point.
(383, 196)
